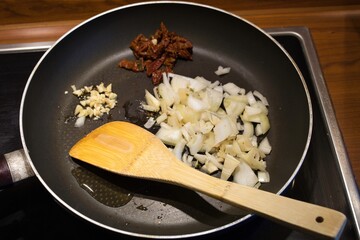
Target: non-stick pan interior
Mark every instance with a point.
(89, 54)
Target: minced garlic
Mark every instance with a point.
(94, 101)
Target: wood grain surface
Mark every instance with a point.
(334, 25)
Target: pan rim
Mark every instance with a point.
(134, 234)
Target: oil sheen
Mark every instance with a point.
(103, 191)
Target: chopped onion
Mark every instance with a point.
(179, 148)
(234, 105)
(196, 104)
(214, 160)
(230, 164)
(253, 159)
(252, 110)
(169, 135)
(161, 118)
(179, 82)
(264, 123)
(167, 94)
(243, 174)
(214, 99)
(233, 89)
(195, 143)
(199, 83)
(258, 130)
(80, 121)
(224, 129)
(263, 176)
(209, 167)
(221, 70)
(201, 158)
(150, 122)
(212, 127)
(248, 129)
(261, 97)
(152, 101)
(251, 98)
(265, 146)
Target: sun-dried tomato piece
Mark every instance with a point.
(157, 53)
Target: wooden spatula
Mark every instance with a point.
(130, 150)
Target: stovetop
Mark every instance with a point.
(28, 211)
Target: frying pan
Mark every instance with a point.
(89, 54)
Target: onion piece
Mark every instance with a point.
(264, 123)
(169, 135)
(167, 94)
(258, 130)
(214, 160)
(263, 176)
(179, 149)
(80, 121)
(261, 97)
(209, 167)
(265, 146)
(244, 175)
(224, 129)
(233, 89)
(149, 108)
(201, 158)
(196, 104)
(178, 82)
(214, 99)
(253, 159)
(199, 83)
(234, 105)
(248, 129)
(195, 143)
(221, 70)
(149, 123)
(251, 111)
(230, 164)
(152, 101)
(251, 98)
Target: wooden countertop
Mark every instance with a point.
(334, 24)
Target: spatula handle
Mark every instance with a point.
(296, 214)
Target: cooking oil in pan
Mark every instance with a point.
(103, 191)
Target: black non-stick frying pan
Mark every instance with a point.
(89, 54)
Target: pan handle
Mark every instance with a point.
(14, 166)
